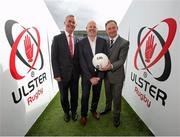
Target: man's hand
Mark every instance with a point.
(94, 80)
(107, 67)
(58, 79)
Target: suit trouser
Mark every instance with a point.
(113, 93)
(72, 85)
(86, 87)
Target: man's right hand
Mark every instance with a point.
(94, 80)
(58, 79)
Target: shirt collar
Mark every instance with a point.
(114, 39)
(91, 40)
(67, 34)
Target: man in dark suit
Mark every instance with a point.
(88, 47)
(65, 64)
(117, 53)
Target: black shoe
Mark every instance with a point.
(74, 116)
(66, 117)
(105, 111)
(116, 122)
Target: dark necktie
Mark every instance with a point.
(111, 42)
(71, 45)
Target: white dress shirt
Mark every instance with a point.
(93, 45)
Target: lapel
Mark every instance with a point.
(98, 44)
(66, 45)
(76, 40)
(115, 45)
(88, 47)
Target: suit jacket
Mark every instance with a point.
(117, 55)
(86, 56)
(63, 64)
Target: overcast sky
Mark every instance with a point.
(98, 10)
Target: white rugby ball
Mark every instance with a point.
(100, 60)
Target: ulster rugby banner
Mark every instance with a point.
(152, 70)
(26, 85)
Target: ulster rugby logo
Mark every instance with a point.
(152, 47)
(25, 49)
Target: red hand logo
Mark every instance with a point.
(28, 48)
(150, 47)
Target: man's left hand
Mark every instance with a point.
(107, 67)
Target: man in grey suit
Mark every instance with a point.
(117, 53)
(65, 64)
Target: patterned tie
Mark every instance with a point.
(71, 45)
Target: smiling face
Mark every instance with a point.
(111, 29)
(70, 24)
(91, 29)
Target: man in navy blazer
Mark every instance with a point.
(65, 64)
(88, 47)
